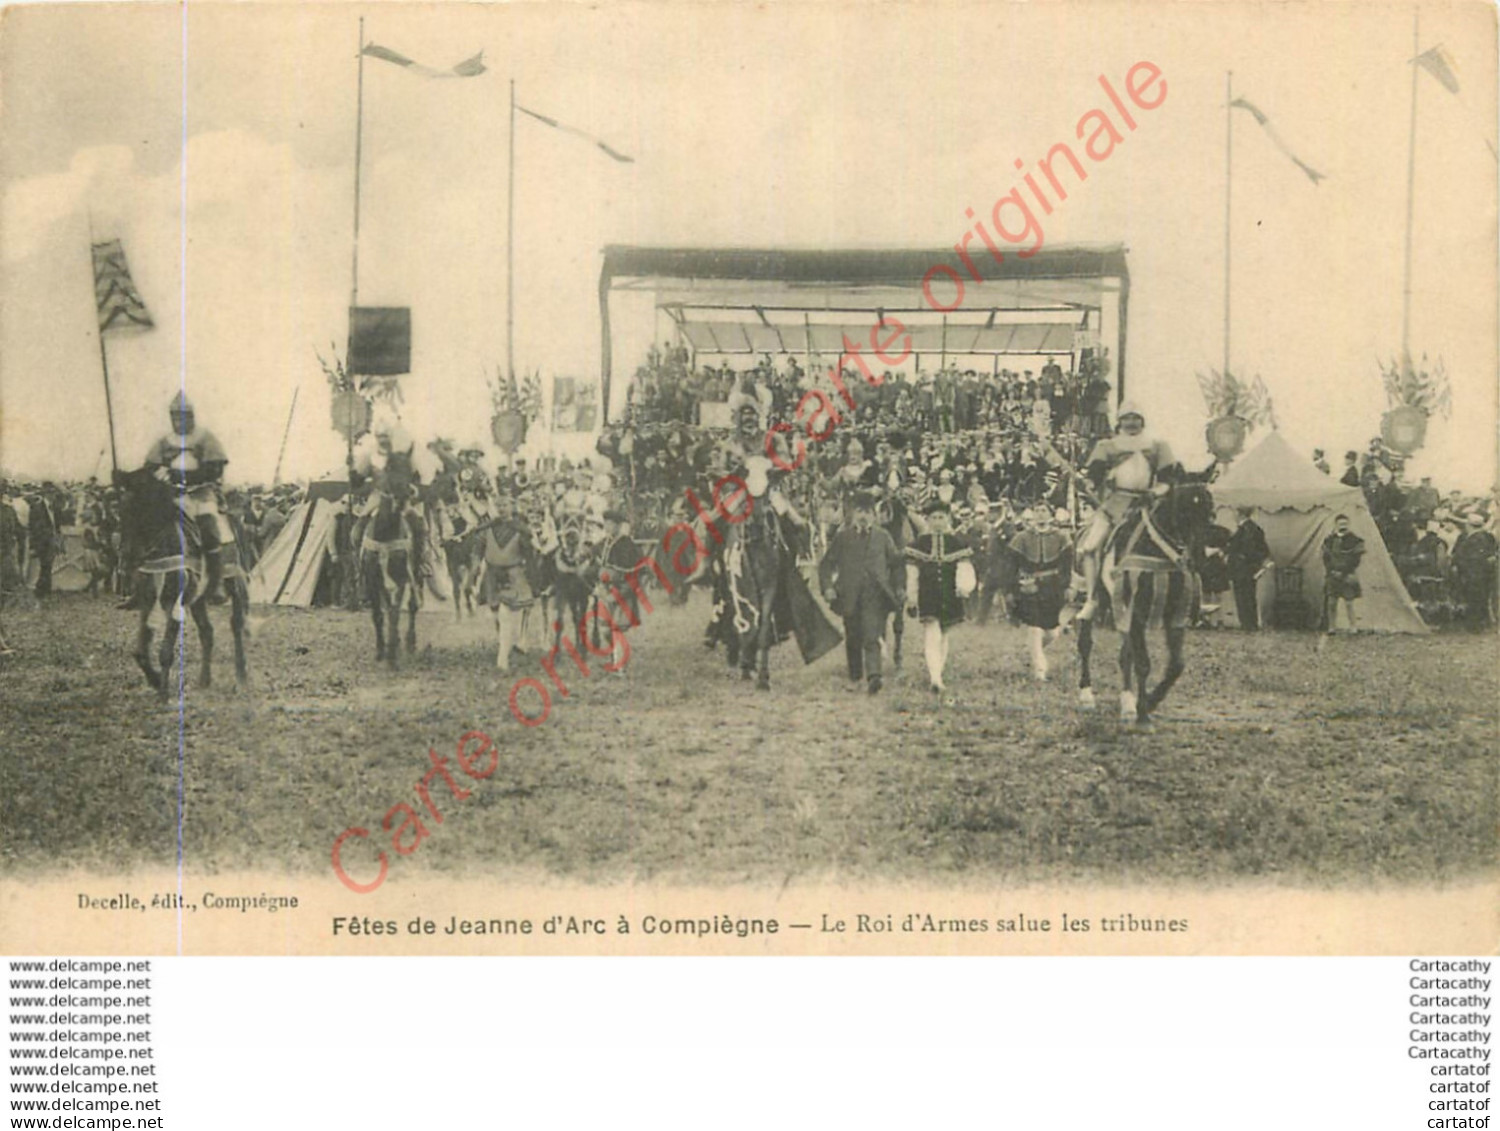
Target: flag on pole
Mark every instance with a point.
(117, 301)
(1439, 64)
(468, 69)
(1265, 123)
(556, 125)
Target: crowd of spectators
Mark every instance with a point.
(669, 389)
(999, 448)
(1443, 543)
(47, 527)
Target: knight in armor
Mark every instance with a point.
(193, 460)
(1126, 470)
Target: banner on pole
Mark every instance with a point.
(118, 303)
(379, 341)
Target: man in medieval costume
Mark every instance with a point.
(1127, 469)
(939, 580)
(1043, 571)
(507, 552)
(193, 459)
(1342, 553)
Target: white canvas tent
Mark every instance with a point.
(289, 570)
(68, 574)
(1296, 504)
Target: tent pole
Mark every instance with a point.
(287, 431)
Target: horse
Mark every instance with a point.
(391, 541)
(1152, 563)
(892, 514)
(167, 548)
(576, 571)
(755, 554)
(451, 525)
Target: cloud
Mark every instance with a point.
(98, 180)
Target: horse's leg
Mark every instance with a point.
(1178, 592)
(240, 598)
(1175, 668)
(143, 639)
(1133, 599)
(413, 599)
(199, 609)
(747, 653)
(502, 637)
(393, 619)
(168, 648)
(1085, 674)
(1140, 623)
(763, 642)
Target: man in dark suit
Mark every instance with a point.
(1247, 557)
(863, 576)
(42, 537)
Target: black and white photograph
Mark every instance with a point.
(792, 478)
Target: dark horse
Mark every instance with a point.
(892, 514)
(459, 544)
(391, 544)
(756, 554)
(1152, 564)
(155, 533)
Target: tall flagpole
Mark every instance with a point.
(1228, 197)
(351, 598)
(109, 407)
(510, 246)
(1411, 181)
(359, 121)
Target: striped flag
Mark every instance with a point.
(556, 125)
(468, 69)
(1439, 64)
(1265, 123)
(117, 301)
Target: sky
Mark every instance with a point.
(218, 142)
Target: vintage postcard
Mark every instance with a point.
(798, 478)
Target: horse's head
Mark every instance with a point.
(1185, 516)
(149, 515)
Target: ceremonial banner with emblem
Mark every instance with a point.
(379, 341)
(118, 303)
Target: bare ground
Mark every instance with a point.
(1371, 759)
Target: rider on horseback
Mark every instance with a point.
(1126, 469)
(192, 459)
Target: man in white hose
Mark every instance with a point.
(939, 579)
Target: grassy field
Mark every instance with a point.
(1371, 759)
